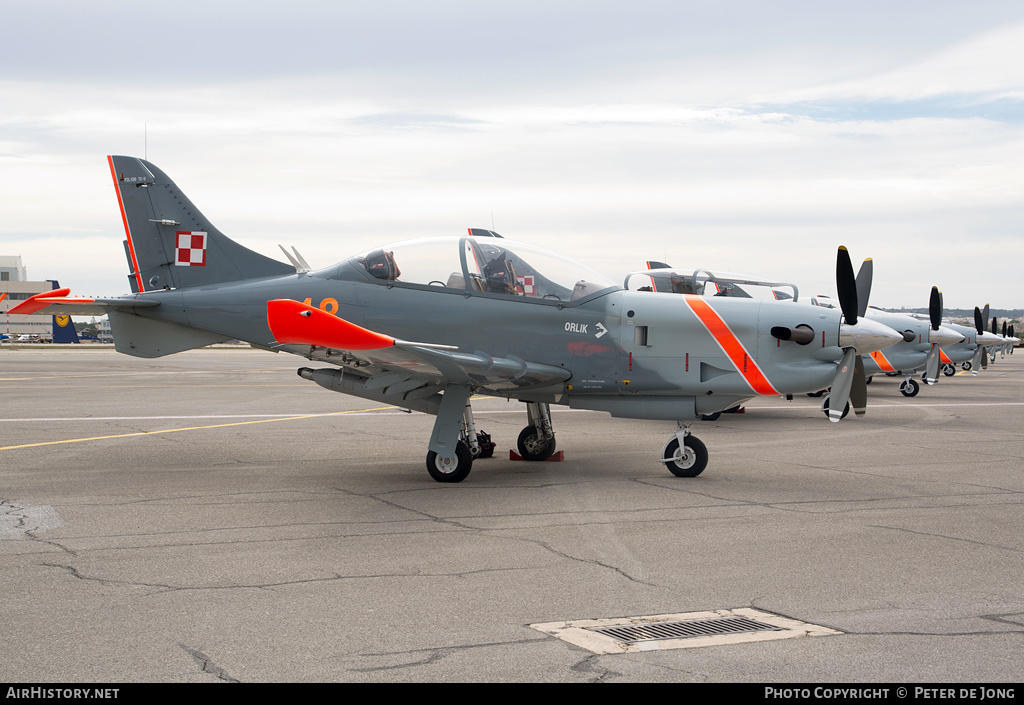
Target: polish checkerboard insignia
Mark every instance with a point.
(190, 249)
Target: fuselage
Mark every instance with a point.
(667, 353)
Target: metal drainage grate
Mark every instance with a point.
(635, 633)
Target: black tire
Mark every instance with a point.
(948, 370)
(825, 407)
(711, 417)
(533, 446)
(691, 462)
(910, 388)
(966, 366)
(816, 394)
(456, 472)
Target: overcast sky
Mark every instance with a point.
(748, 136)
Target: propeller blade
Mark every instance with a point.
(935, 308)
(841, 385)
(859, 390)
(864, 276)
(1004, 329)
(984, 358)
(931, 366)
(979, 322)
(846, 286)
(994, 328)
(976, 361)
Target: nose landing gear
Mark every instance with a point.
(685, 455)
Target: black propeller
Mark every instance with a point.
(846, 286)
(864, 276)
(850, 383)
(931, 365)
(980, 355)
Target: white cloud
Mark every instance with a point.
(754, 138)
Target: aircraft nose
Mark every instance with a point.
(944, 336)
(867, 336)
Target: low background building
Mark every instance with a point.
(15, 283)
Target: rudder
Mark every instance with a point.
(170, 244)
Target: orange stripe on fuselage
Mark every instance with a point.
(127, 230)
(882, 361)
(730, 345)
(944, 357)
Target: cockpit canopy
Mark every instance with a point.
(480, 265)
(703, 282)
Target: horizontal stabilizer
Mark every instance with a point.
(59, 301)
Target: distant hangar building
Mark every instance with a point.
(15, 283)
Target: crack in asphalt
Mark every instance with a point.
(206, 665)
(432, 655)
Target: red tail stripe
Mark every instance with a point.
(127, 230)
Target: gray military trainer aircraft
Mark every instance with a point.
(427, 324)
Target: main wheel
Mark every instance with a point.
(948, 370)
(910, 388)
(688, 461)
(966, 366)
(533, 446)
(454, 469)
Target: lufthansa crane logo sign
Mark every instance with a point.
(62, 319)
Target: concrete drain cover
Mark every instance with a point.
(679, 631)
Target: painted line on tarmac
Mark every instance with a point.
(190, 428)
(148, 373)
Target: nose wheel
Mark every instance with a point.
(910, 387)
(687, 459)
(825, 406)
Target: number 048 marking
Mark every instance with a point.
(327, 305)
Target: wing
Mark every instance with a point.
(400, 366)
(59, 301)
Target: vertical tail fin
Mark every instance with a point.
(170, 244)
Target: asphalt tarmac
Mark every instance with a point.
(210, 516)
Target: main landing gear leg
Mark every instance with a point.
(684, 455)
(480, 444)
(537, 440)
(449, 458)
